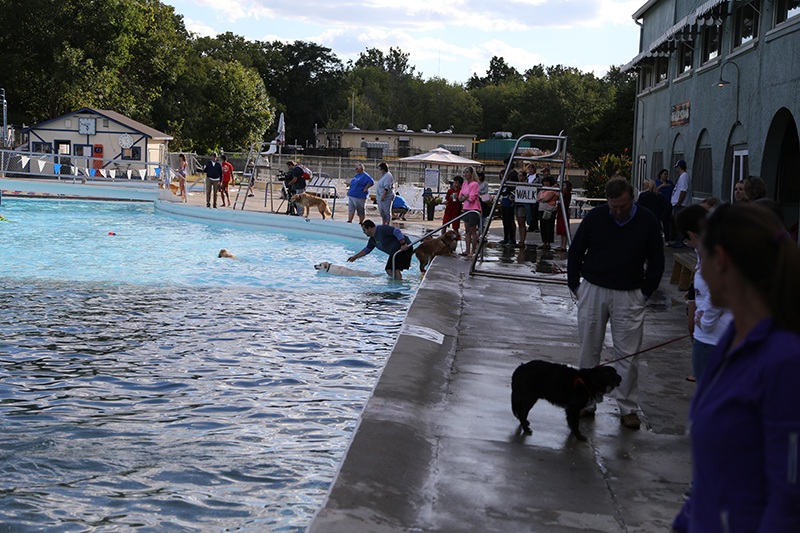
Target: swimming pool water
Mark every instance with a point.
(146, 383)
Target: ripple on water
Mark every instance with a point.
(181, 407)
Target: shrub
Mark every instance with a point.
(607, 167)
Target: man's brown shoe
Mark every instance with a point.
(631, 421)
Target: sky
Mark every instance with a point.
(448, 39)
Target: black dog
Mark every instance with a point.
(560, 385)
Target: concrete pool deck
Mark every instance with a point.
(437, 448)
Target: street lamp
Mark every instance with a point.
(722, 83)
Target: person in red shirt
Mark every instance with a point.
(453, 208)
(227, 175)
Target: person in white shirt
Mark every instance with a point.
(681, 198)
(710, 322)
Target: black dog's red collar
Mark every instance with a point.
(585, 386)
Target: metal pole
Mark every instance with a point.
(5, 118)
(5, 130)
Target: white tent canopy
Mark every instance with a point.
(440, 156)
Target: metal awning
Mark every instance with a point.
(453, 147)
(374, 144)
(708, 14)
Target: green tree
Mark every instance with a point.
(612, 132)
(216, 105)
(59, 55)
(499, 73)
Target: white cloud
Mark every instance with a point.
(199, 28)
(423, 16)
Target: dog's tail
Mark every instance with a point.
(328, 211)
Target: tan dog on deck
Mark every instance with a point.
(338, 270)
(430, 248)
(173, 187)
(307, 201)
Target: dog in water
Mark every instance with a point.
(227, 255)
(338, 270)
(561, 385)
(430, 248)
(307, 201)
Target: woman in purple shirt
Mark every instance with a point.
(745, 415)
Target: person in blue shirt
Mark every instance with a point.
(357, 194)
(745, 424)
(399, 208)
(390, 240)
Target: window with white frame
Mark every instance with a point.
(661, 70)
(711, 37)
(740, 169)
(786, 9)
(685, 57)
(641, 171)
(645, 78)
(745, 23)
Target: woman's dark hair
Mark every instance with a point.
(662, 171)
(567, 185)
(754, 188)
(763, 252)
(548, 179)
(692, 218)
(384, 167)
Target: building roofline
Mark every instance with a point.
(639, 13)
(114, 116)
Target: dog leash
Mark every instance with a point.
(645, 350)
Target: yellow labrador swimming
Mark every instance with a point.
(227, 255)
(338, 270)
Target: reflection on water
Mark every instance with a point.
(179, 410)
(213, 406)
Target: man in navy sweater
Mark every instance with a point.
(619, 252)
(213, 177)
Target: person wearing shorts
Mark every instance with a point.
(357, 194)
(227, 177)
(390, 240)
(471, 202)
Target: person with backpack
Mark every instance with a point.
(297, 185)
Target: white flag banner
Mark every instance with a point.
(74, 170)
(41, 164)
(24, 160)
(103, 172)
(113, 174)
(143, 172)
(129, 174)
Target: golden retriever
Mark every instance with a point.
(338, 270)
(227, 255)
(430, 248)
(307, 201)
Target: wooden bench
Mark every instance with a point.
(683, 264)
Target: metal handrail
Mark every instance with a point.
(560, 148)
(459, 217)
